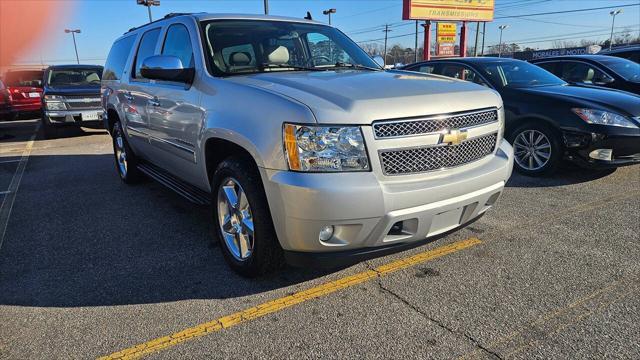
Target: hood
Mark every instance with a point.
(361, 97)
(73, 90)
(619, 101)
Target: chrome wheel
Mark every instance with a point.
(121, 152)
(532, 150)
(235, 219)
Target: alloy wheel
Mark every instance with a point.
(235, 219)
(121, 152)
(532, 150)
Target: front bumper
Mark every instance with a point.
(78, 117)
(366, 208)
(625, 146)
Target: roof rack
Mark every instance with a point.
(168, 16)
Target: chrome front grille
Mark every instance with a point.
(81, 102)
(399, 128)
(423, 159)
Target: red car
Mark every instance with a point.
(23, 92)
(4, 101)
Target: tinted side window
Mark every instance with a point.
(146, 48)
(549, 66)
(582, 73)
(178, 43)
(117, 58)
(428, 69)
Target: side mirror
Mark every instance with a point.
(606, 80)
(167, 68)
(379, 60)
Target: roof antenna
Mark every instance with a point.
(308, 17)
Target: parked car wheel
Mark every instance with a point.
(244, 226)
(126, 160)
(537, 149)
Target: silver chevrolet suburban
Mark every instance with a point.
(307, 150)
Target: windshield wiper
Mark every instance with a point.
(287, 66)
(355, 66)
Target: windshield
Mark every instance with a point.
(627, 69)
(250, 46)
(24, 78)
(74, 77)
(518, 74)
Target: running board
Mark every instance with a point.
(183, 189)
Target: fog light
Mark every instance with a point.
(602, 154)
(326, 232)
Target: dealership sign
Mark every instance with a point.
(445, 50)
(446, 33)
(459, 10)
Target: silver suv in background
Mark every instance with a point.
(306, 149)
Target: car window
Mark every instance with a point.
(24, 78)
(461, 72)
(324, 51)
(117, 58)
(146, 48)
(178, 43)
(626, 69)
(577, 72)
(549, 66)
(74, 77)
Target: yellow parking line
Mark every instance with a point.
(285, 302)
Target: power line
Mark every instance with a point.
(564, 11)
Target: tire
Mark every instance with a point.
(125, 160)
(541, 158)
(261, 252)
(50, 131)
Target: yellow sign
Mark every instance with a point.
(460, 10)
(447, 32)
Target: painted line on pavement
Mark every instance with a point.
(279, 304)
(7, 202)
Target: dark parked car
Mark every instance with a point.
(71, 97)
(547, 119)
(23, 92)
(626, 52)
(595, 70)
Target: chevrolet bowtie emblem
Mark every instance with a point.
(453, 137)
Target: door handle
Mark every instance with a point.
(154, 103)
(128, 96)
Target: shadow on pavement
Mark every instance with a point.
(566, 174)
(79, 237)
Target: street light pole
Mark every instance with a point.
(266, 7)
(329, 12)
(501, 27)
(149, 4)
(75, 46)
(613, 21)
(386, 32)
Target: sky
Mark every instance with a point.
(102, 21)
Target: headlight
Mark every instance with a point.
(55, 105)
(325, 148)
(600, 117)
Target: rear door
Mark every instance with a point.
(137, 95)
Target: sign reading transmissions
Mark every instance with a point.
(459, 10)
(446, 33)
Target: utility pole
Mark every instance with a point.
(613, 13)
(475, 46)
(75, 46)
(484, 30)
(386, 33)
(266, 7)
(329, 12)
(501, 27)
(415, 49)
(149, 4)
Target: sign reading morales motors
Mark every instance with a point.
(458, 10)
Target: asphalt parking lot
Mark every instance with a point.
(90, 267)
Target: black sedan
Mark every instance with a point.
(547, 119)
(595, 70)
